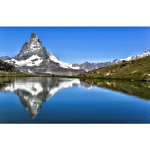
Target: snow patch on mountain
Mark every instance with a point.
(53, 58)
(29, 62)
(70, 66)
(129, 58)
(144, 54)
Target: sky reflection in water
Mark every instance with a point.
(62, 100)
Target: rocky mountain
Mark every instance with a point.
(33, 92)
(34, 58)
(5, 67)
(138, 69)
(116, 61)
(88, 66)
(5, 58)
(144, 54)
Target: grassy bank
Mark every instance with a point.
(15, 74)
(134, 70)
(128, 70)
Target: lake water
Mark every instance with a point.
(66, 100)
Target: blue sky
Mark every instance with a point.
(79, 44)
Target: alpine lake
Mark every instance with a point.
(42, 100)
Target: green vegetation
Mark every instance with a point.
(128, 70)
(19, 74)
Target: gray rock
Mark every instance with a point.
(7, 67)
(87, 66)
(44, 62)
(144, 54)
(116, 61)
(34, 58)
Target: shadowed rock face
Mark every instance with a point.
(36, 59)
(33, 92)
(7, 67)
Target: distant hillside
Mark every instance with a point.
(135, 69)
(8, 70)
(88, 66)
(5, 67)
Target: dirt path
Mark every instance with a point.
(135, 71)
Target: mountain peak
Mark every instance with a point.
(34, 58)
(33, 35)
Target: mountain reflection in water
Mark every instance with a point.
(135, 88)
(33, 92)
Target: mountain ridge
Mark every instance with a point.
(36, 59)
(88, 66)
(138, 69)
